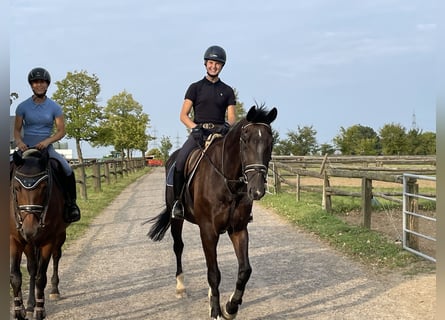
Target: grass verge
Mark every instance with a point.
(367, 246)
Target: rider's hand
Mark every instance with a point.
(197, 134)
(21, 146)
(42, 145)
(225, 128)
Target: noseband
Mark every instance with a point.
(30, 182)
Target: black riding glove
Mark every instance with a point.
(225, 128)
(197, 134)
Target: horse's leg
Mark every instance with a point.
(209, 243)
(31, 265)
(178, 247)
(41, 280)
(15, 278)
(57, 254)
(240, 242)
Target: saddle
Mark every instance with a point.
(193, 160)
(54, 165)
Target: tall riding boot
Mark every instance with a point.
(72, 211)
(178, 184)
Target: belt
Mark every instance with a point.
(210, 125)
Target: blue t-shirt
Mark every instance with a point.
(38, 119)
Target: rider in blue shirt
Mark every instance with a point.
(210, 99)
(37, 116)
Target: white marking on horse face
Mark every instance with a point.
(259, 133)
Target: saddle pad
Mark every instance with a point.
(170, 175)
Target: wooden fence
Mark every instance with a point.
(289, 170)
(107, 171)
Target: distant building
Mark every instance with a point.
(61, 147)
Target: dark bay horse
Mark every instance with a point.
(36, 228)
(219, 198)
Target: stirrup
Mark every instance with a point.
(178, 210)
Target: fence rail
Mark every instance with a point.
(291, 170)
(104, 171)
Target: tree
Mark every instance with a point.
(165, 148)
(124, 125)
(239, 107)
(419, 143)
(299, 143)
(326, 148)
(357, 140)
(429, 142)
(155, 152)
(393, 139)
(77, 94)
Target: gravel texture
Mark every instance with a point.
(116, 272)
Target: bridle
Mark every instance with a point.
(258, 168)
(30, 182)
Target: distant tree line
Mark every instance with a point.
(121, 123)
(391, 139)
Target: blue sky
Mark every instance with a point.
(322, 63)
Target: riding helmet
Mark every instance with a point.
(39, 74)
(215, 53)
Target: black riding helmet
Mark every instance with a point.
(215, 53)
(39, 74)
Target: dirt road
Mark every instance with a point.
(116, 272)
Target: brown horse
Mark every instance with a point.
(36, 228)
(221, 188)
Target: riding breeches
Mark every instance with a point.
(184, 152)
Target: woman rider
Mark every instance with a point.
(210, 99)
(37, 116)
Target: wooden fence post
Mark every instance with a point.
(412, 222)
(276, 179)
(326, 202)
(298, 187)
(97, 177)
(83, 183)
(366, 202)
(107, 172)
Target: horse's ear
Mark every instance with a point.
(251, 113)
(272, 115)
(17, 158)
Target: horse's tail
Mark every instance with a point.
(161, 223)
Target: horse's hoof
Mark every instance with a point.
(181, 293)
(29, 315)
(54, 296)
(227, 315)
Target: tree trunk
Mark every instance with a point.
(79, 151)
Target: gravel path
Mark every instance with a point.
(116, 272)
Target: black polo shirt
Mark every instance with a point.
(210, 100)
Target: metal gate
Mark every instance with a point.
(412, 216)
